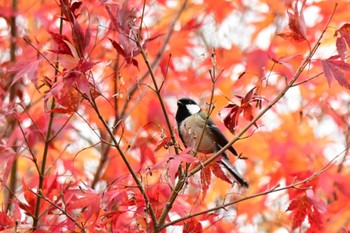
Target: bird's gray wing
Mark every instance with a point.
(220, 138)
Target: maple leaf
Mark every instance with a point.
(231, 119)
(334, 69)
(296, 20)
(5, 221)
(308, 206)
(218, 172)
(30, 198)
(173, 162)
(292, 36)
(90, 202)
(205, 176)
(147, 152)
(192, 226)
(80, 38)
(62, 43)
(296, 24)
(192, 24)
(27, 69)
(124, 21)
(343, 39)
(284, 61)
(71, 87)
(66, 94)
(8, 156)
(129, 49)
(176, 160)
(163, 142)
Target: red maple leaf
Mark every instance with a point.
(62, 43)
(246, 107)
(80, 38)
(66, 94)
(219, 173)
(308, 206)
(205, 176)
(296, 20)
(30, 199)
(296, 24)
(284, 61)
(5, 221)
(334, 69)
(292, 36)
(173, 161)
(343, 39)
(8, 156)
(192, 226)
(27, 69)
(90, 202)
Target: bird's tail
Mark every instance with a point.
(233, 171)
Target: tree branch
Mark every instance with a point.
(121, 153)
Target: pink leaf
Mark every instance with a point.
(27, 69)
(333, 69)
(8, 155)
(61, 41)
(341, 47)
(297, 21)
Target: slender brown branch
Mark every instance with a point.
(157, 59)
(213, 78)
(13, 89)
(307, 80)
(180, 182)
(26, 39)
(126, 162)
(105, 151)
(47, 143)
(60, 209)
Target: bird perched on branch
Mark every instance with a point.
(191, 121)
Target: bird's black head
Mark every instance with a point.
(185, 108)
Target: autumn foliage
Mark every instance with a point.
(88, 138)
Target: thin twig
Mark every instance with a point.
(46, 148)
(213, 78)
(121, 153)
(60, 209)
(157, 59)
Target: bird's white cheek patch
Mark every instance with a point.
(193, 108)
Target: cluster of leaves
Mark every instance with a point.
(87, 131)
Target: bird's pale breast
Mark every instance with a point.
(191, 129)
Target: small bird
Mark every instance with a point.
(190, 122)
